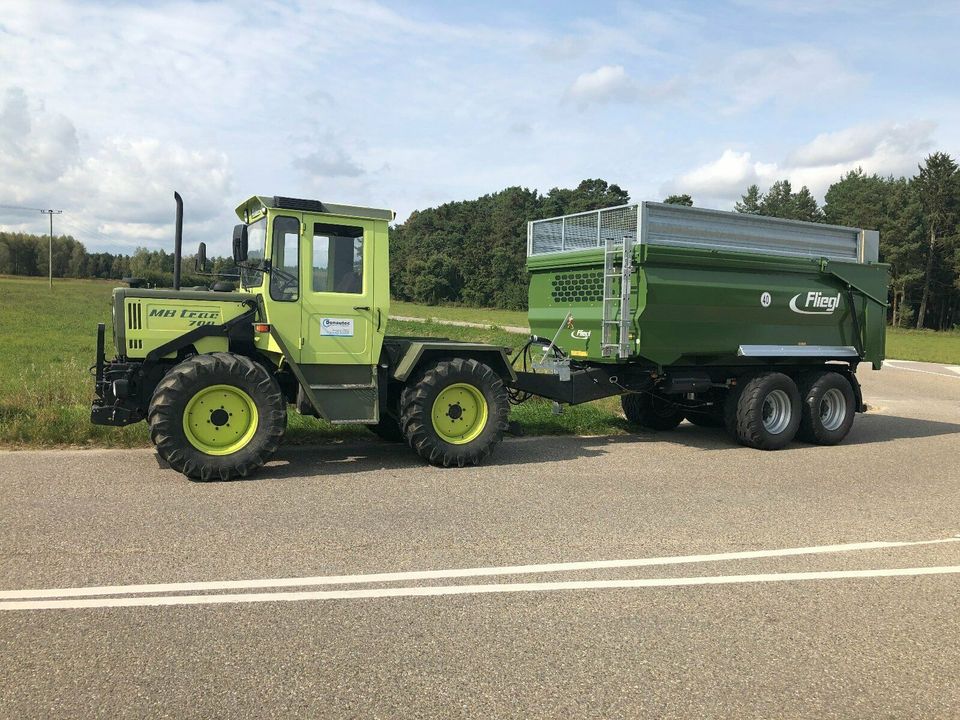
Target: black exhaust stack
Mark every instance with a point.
(178, 241)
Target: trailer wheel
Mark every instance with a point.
(763, 411)
(710, 418)
(455, 412)
(217, 416)
(828, 408)
(650, 411)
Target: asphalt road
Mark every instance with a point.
(820, 633)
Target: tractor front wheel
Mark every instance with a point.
(217, 417)
(454, 412)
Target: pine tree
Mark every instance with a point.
(750, 202)
(938, 187)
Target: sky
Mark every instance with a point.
(108, 107)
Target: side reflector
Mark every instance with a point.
(261, 327)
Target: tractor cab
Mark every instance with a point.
(321, 272)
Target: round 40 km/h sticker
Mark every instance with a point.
(765, 299)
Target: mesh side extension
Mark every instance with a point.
(582, 231)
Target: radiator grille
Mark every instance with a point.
(134, 316)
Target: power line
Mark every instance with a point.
(21, 207)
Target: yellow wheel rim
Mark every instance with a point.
(459, 413)
(220, 420)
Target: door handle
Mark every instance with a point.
(361, 307)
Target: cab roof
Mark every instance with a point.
(258, 203)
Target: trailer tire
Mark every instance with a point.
(471, 425)
(829, 407)
(179, 416)
(763, 411)
(707, 418)
(650, 411)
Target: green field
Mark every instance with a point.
(49, 340)
(924, 345)
(488, 316)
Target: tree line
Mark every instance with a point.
(27, 254)
(473, 252)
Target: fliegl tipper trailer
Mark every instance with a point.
(715, 317)
(719, 318)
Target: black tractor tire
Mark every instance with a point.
(649, 411)
(198, 374)
(829, 407)
(763, 411)
(418, 403)
(387, 429)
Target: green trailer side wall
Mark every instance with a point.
(694, 306)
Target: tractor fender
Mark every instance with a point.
(408, 356)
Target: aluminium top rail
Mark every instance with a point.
(681, 226)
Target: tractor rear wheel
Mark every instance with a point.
(217, 417)
(454, 412)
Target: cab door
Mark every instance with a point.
(285, 280)
(338, 309)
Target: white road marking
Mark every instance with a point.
(895, 364)
(455, 573)
(429, 591)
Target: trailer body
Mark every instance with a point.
(705, 288)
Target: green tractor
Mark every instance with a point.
(213, 371)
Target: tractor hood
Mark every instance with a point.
(145, 319)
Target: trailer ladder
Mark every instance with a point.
(617, 265)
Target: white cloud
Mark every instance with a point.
(884, 148)
(609, 83)
(887, 141)
(787, 75)
(116, 192)
(36, 146)
(726, 177)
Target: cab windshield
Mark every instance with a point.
(256, 240)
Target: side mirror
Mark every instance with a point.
(239, 243)
(202, 257)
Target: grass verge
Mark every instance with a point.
(924, 345)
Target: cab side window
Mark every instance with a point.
(285, 266)
(337, 258)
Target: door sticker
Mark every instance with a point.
(336, 327)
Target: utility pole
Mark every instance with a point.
(51, 213)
